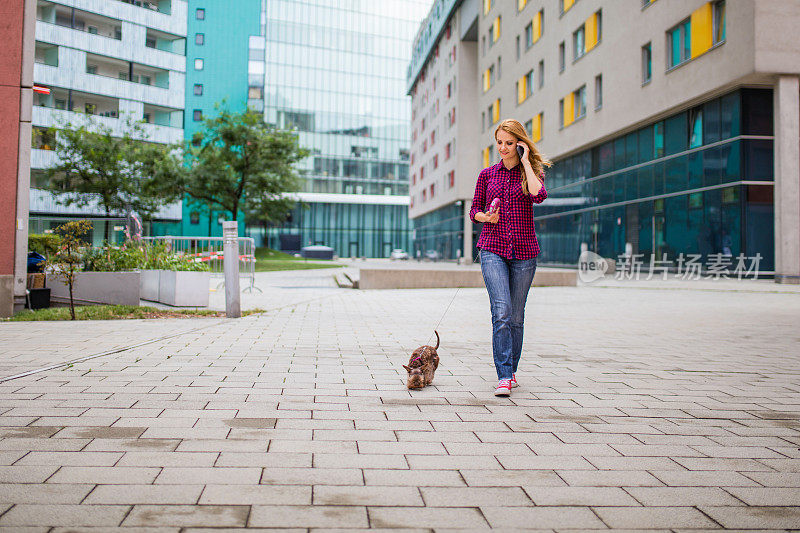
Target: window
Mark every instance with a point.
(483, 45)
(695, 127)
(200, 14)
(91, 69)
(541, 73)
(498, 67)
(529, 128)
(200, 39)
(452, 178)
(561, 58)
(433, 190)
(561, 115)
(194, 217)
(679, 43)
(579, 43)
(525, 87)
(536, 133)
(487, 6)
(598, 91)
(447, 151)
(496, 111)
(198, 64)
(719, 22)
(518, 46)
(647, 63)
(580, 102)
(197, 115)
(496, 30)
(529, 35)
(198, 89)
(564, 5)
(521, 4)
(436, 161)
(483, 120)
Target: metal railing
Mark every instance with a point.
(209, 250)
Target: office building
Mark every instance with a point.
(672, 123)
(116, 60)
(335, 73)
(224, 67)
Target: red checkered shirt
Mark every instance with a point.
(514, 235)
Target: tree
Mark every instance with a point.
(121, 174)
(239, 164)
(68, 259)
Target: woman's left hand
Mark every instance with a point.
(525, 150)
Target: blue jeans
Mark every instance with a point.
(508, 282)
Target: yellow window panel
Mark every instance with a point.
(486, 157)
(486, 80)
(521, 4)
(537, 26)
(537, 128)
(702, 24)
(496, 29)
(487, 6)
(496, 111)
(522, 90)
(569, 109)
(568, 4)
(591, 32)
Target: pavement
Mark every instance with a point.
(640, 407)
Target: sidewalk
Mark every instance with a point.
(637, 410)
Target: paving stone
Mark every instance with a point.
(187, 515)
(577, 496)
(682, 496)
(755, 517)
(308, 516)
(64, 515)
(367, 495)
(654, 517)
(399, 517)
(43, 493)
(256, 495)
(311, 476)
(542, 517)
(172, 475)
(144, 494)
(475, 496)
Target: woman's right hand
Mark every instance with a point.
(492, 219)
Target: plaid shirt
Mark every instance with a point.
(514, 235)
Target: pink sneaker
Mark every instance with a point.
(514, 381)
(503, 388)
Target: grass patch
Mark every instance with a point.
(269, 260)
(117, 312)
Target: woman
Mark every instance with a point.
(508, 245)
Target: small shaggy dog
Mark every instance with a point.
(422, 365)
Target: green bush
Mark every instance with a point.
(46, 244)
(135, 256)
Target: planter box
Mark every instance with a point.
(149, 285)
(112, 288)
(183, 289)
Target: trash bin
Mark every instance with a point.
(38, 298)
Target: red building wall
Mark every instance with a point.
(11, 29)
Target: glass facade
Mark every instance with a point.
(697, 182)
(335, 73)
(443, 230)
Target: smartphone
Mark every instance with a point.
(520, 150)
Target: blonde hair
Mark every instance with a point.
(538, 161)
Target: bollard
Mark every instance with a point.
(230, 234)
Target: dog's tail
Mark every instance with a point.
(437, 340)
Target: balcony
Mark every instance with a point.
(79, 20)
(166, 42)
(161, 6)
(126, 71)
(46, 54)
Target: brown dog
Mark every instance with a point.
(422, 365)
